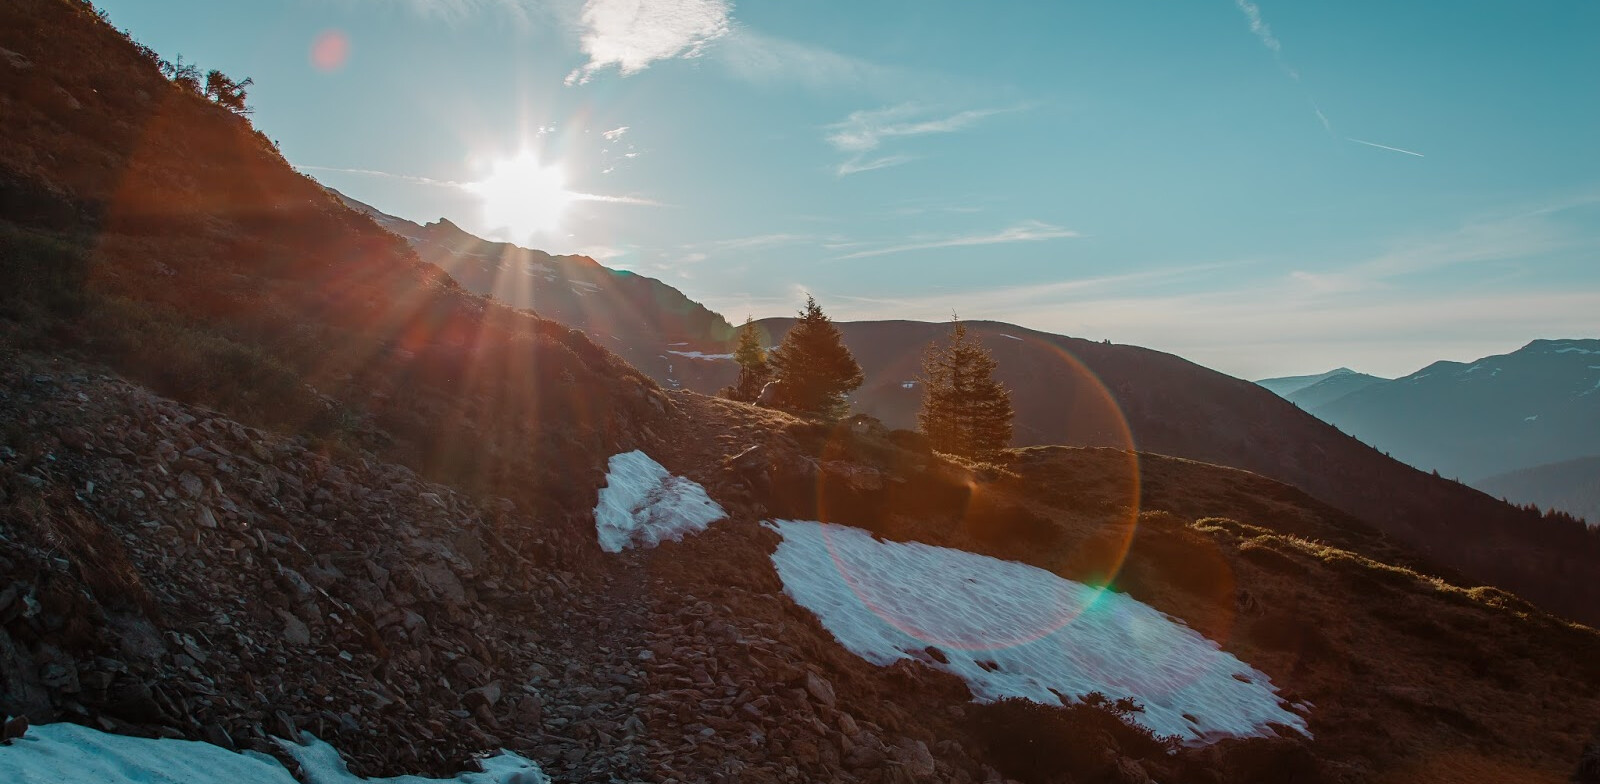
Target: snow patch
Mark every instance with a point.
(699, 355)
(1013, 630)
(1013, 337)
(642, 505)
(1575, 350)
(1533, 418)
(908, 385)
(57, 753)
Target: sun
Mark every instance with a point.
(524, 196)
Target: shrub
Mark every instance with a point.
(41, 273)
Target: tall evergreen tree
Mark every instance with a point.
(965, 411)
(754, 372)
(813, 369)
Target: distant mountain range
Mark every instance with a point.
(1515, 424)
(1536, 405)
(1312, 392)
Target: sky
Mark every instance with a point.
(1266, 188)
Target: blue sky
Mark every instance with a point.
(1266, 188)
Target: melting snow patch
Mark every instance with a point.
(1013, 337)
(698, 355)
(642, 505)
(1013, 630)
(1533, 418)
(56, 753)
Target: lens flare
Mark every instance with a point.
(330, 50)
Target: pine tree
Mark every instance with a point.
(754, 372)
(813, 369)
(964, 410)
(226, 92)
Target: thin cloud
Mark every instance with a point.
(755, 242)
(615, 133)
(865, 130)
(763, 59)
(1259, 27)
(861, 163)
(632, 34)
(1383, 146)
(1027, 231)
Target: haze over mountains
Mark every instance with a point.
(1514, 413)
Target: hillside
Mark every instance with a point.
(1315, 396)
(267, 476)
(1536, 405)
(1571, 485)
(1284, 386)
(1082, 393)
(640, 318)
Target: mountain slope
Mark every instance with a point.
(1082, 393)
(1539, 404)
(1571, 486)
(369, 515)
(639, 318)
(1332, 388)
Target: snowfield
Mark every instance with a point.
(69, 753)
(642, 505)
(1013, 630)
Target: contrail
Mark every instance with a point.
(1383, 146)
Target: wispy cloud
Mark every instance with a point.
(1027, 231)
(762, 59)
(861, 163)
(615, 133)
(1382, 146)
(756, 242)
(866, 130)
(632, 34)
(1258, 26)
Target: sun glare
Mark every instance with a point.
(524, 196)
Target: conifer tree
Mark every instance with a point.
(754, 372)
(813, 369)
(965, 411)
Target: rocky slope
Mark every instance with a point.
(174, 572)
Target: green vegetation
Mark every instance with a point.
(965, 411)
(813, 369)
(754, 371)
